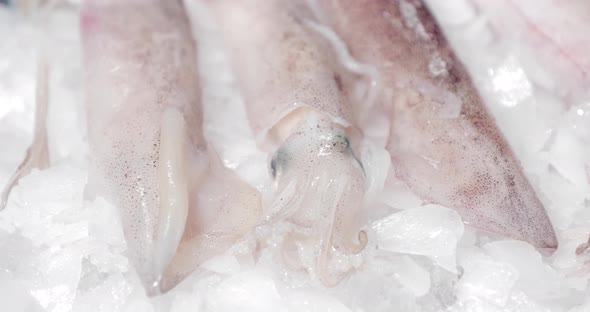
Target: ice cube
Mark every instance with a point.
(583, 307)
(50, 274)
(431, 230)
(412, 276)
(486, 279)
(568, 156)
(246, 291)
(377, 287)
(16, 297)
(538, 279)
(520, 302)
(54, 282)
(187, 301)
(106, 245)
(313, 301)
(46, 205)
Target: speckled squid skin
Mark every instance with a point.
(300, 114)
(280, 64)
(443, 142)
(137, 64)
(141, 78)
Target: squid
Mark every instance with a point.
(37, 154)
(552, 38)
(300, 116)
(178, 204)
(443, 142)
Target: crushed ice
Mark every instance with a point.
(59, 252)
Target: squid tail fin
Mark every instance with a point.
(37, 155)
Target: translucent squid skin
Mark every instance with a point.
(300, 115)
(320, 188)
(145, 134)
(443, 142)
(280, 64)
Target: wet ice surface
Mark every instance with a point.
(61, 253)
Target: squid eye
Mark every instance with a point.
(278, 162)
(349, 149)
(273, 167)
(346, 142)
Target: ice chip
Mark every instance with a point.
(538, 279)
(246, 291)
(115, 287)
(15, 297)
(44, 253)
(377, 288)
(310, 301)
(486, 279)
(431, 230)
(105, 224)
(412, 276)
(569, 156)
(55, 282)
(186, 301)
(520, 302)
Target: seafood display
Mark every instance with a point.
(270, 155)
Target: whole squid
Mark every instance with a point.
(443, 143)
(179, 206)
(543, 39)
(300, 115)
(547, 32)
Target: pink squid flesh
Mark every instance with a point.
(298, 112)
(443, 142)
(178, 205)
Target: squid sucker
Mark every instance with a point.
(178, 204)
(443, 142)
(301, 116)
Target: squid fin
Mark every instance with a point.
(222, 209)
(37, 155)
(174, 190)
